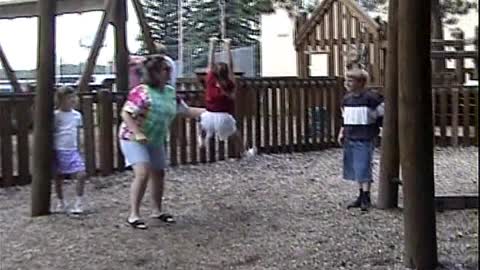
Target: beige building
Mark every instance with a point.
(277, 50)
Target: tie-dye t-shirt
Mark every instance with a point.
(153, 110)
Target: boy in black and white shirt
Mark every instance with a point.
(362, 111)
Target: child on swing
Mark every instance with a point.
(220, 91)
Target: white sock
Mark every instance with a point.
(79, 199)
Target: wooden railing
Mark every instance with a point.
(455, 110)
(274, 115)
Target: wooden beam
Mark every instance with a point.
(28, 8)
(453, 42)
(318, 14)
(9, 72)
(42, 133)
(390, 159)
(456, 202)
(121, 50)
(146, 32)
(453, 54)
(97, 45)
(416, 129)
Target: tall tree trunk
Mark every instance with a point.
(389, 170)
(416, 140)
(121, 50)
(437, 33)
(42, 132)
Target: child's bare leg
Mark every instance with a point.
(61, 206)
(59, 186)
(80, 186)
(202, 138)
(81, 177)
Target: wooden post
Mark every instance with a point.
(97, 45)
(302, 67)
(460, 62)
(6, 145)
(390, 159)
(9, 72)
(146, 33)
(87, 103)
(331, 48)
(121, 50)
(454, 93)
(415, 127)
(23, 117)
(105, 123)
(437, 32)
(475, 59)
(42, 134)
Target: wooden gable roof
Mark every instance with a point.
(324, 8)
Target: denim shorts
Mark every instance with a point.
(136, 153)
(357, 160)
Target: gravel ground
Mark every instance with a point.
(268, 212)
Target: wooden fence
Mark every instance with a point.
(274, 114)
(455, 113)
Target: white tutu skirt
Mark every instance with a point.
(221, 124)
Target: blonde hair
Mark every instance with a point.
(358, 73)
(62, 93)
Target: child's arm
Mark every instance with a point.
(340, 132)
(211, 53)
(230, 59)
(136, 102)
(79, 126)
(130, 122)
(340, 136)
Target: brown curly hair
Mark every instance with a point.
(151, 66)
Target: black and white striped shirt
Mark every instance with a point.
(362, 115)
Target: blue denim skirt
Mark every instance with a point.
(357, 160)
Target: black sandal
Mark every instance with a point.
(167, 218)
(137, 224)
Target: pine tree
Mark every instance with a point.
(450, 9)
(242, 18)
(162, 17)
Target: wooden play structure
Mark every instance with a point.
(334, 28)
(338, 27)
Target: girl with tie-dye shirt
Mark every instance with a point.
(147, 114)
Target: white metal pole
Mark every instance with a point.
(180, 38)
(223, 29)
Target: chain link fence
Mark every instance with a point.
(245, 59)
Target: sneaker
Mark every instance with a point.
(250, 152)
(61, 207)
(357, 203)
(77, 207)
(365, 203)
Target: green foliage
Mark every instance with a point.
(451, 9)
